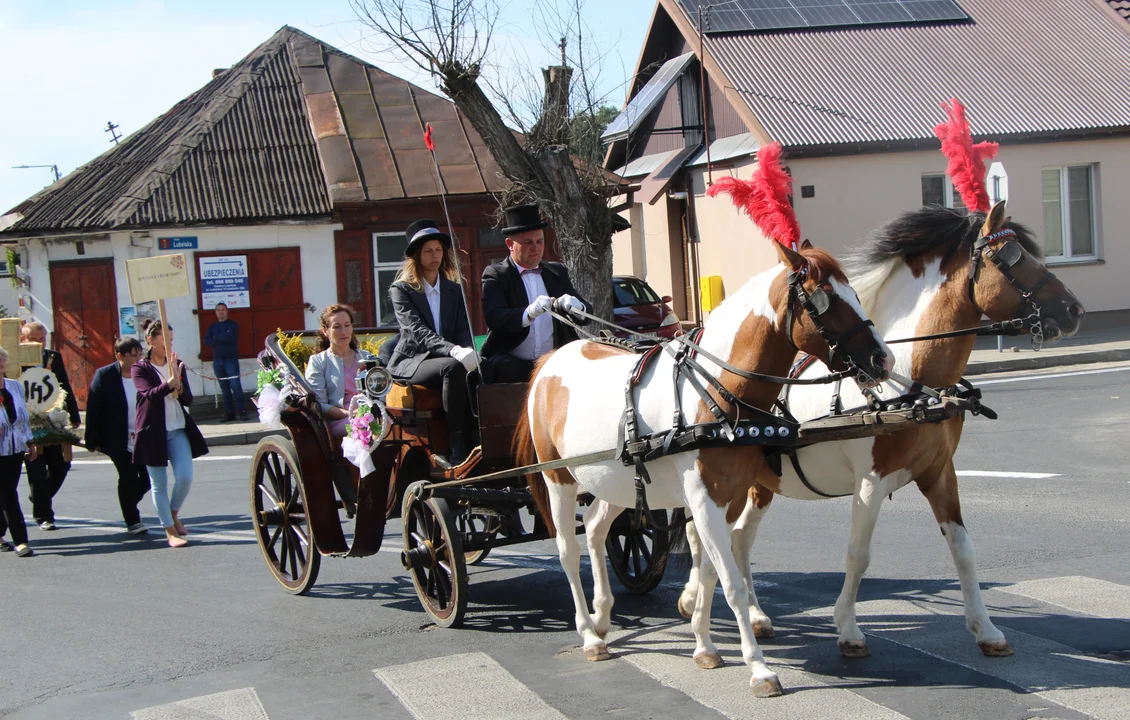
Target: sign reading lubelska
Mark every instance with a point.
(177, 243)
(224, 278)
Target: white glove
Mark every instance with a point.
(565, 304)
(539, 306)
(466, 356)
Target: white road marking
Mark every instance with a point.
(1051, 376)
(1000, 474)
(666, 655)
(200, 530)
(240, 704)
(474, 682)
(1082, 594)
(1043, 667)
(205, 458)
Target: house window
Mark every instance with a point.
(389, 256)
(939, 190)
(1069, 212)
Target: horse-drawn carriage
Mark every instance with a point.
(302, 486)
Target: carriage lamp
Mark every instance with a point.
(373, 380)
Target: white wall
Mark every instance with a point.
(319, 276)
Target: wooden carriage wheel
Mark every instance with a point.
(472, 522)
(278, 508)
(433, 556)
(638, 554)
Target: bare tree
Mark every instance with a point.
(453, 41)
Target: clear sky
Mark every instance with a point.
(69, 66)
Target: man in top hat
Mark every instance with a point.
(517, 293)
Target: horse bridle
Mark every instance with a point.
(1005, 256)
(816, 304)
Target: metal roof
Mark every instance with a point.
(1122, 7)
(644, 165)
(725, 149)
(290, 132)
(1020, 73)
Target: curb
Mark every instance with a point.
(249, 438)
(1038, 361)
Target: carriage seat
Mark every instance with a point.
(404, 396)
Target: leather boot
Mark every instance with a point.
(459, 449)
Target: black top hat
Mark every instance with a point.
(521, 218)
(421, 231)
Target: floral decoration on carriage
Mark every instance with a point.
(368, 425)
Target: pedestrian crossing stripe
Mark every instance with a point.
(474, 682)
(242, 704)
(1081, 594)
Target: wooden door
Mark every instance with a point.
(275, 279)
(85, 305)
(353, 252)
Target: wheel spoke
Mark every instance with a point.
(275, 538)
(443, 580)
(420, 539)
(271, 472)
(284, 550)
(298, 532)
(298, 547)
(294, 569)
(431, 589)
(294, 493)
(270, 496)
(636, 559)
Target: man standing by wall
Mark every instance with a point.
(223, 337)
(111, 411)
(46, 473)
(517, 292)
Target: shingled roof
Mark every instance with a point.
(290, 132)
(1022, 74)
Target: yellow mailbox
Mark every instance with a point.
(711, 292)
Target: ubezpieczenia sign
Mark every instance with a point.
(224, 278)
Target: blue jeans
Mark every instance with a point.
(180, 457)
(229, 367)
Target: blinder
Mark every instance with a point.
(816, 303)
(1005, 256)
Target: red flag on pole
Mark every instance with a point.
(428, 137)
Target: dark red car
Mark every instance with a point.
(637, 307)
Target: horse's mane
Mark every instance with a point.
(919, 236)
(822, 266)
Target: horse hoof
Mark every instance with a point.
(708, 660)
(854, 649)
(596, 653)
(686, 609)
(996, 649)
(766, 687)
(763, 630)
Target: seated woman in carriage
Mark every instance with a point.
(332, 373)
(435, 348)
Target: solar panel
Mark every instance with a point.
(647, 98)
(721, 16)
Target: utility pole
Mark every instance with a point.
(112, 128)
(54, 170)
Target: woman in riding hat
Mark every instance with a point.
(435, 349)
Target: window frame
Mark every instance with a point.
(378, 266)
(1068, 255)
(948, 191)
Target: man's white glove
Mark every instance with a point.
(539, 306)
(565, 304)
(466, 356)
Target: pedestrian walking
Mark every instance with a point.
(45, 474)
(111, 428)
(223, 337)
(15, 441)
(166, 433)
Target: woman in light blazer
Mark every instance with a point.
(15, 440)
(332, 373)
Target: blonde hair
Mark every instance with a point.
(410, 273)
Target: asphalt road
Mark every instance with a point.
(100, 625)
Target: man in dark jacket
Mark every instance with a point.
(111, 411)
(223, 337)
(45, 474)
(517, 293)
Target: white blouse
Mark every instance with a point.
(14, 437)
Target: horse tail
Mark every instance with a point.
(525, 453)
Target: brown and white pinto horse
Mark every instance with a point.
(913, 278)
(576, 401)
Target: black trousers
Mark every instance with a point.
(506, 368)
(45, 476)
(133, 483)
(449, 375)
(11, 514)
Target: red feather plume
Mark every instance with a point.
(765, 197)
(966, 160)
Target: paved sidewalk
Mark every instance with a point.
(235, 433)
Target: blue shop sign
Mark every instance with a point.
(176, 243)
